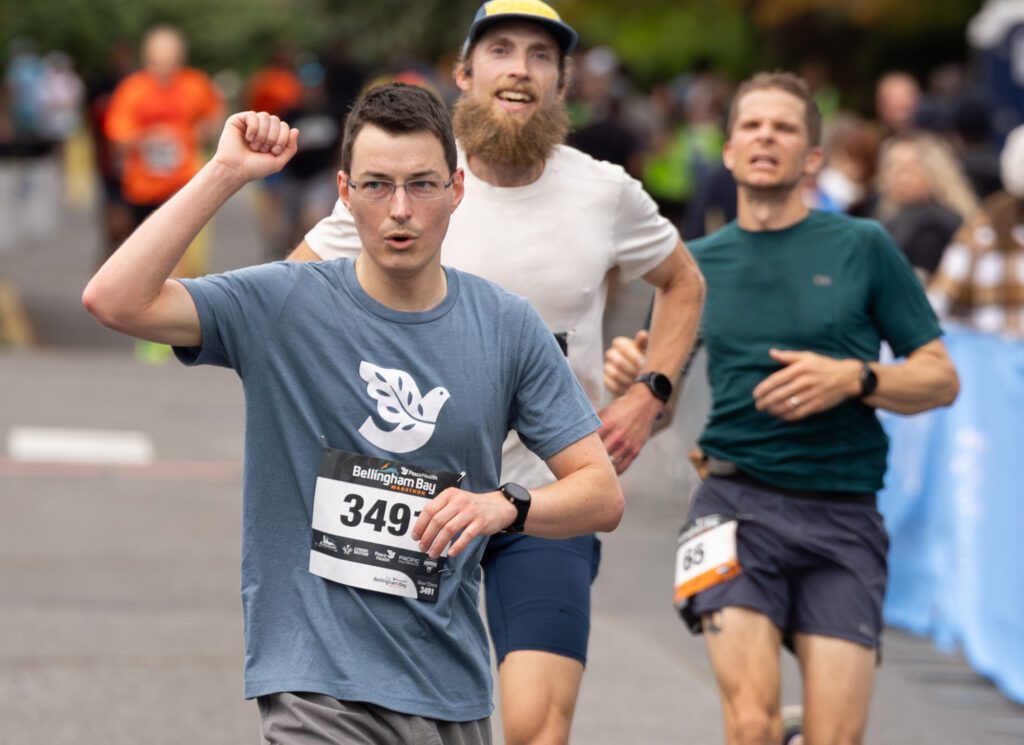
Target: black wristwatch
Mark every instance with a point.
(868, 380)
(660, 385)
(520, 499)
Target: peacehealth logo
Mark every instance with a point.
(400, 403)
(389, 476)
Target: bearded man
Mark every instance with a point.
(550, 223)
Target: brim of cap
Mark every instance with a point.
(564, 34)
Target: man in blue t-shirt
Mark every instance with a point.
(784, 543)
(373, 437)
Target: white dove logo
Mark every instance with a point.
(399, 402)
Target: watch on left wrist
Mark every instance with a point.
(868, 380)
(658, 383)
(519, 497)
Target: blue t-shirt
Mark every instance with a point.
(478, 364)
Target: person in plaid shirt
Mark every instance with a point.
(980, 281)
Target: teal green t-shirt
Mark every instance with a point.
(829, 284)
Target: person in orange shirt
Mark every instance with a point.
(275, 88)
(158, 118)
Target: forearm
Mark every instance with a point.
(919, 383)
(674, 321)
(133, 278)
(585, 501)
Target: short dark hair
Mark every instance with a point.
(783, 81)
(398, 108)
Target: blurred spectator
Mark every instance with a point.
(117, 216)
(997, 36)
(946, 88)
(923, 197)
(844, 183)
(23, 80)
(815, 73)
(275, 88)
(896, 98)
(689, 144)
(61, 97)
(344, 77)
(980, 281)
(308, 187)
(713, 204)
(972, 136)
(158, 118)
(29, 172)
(601, 131)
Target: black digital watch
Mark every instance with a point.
(520, 499)
(659, 384)
(868, 380)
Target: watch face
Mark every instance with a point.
(516, 492)
(661, 385)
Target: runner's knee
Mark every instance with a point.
(540, 726)
(753, 726)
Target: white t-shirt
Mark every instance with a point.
(554, 242)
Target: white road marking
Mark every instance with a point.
(79, 445)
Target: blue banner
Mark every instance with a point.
(954, 507)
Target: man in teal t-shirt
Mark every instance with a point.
(373, 433)
(784, 542)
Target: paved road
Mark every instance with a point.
(119, 611)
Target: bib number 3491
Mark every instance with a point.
(364, 509)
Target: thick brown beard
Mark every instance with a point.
(503, 139)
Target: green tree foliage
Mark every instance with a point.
(656, 38)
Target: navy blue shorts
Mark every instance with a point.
(538, 593)
(811, 565)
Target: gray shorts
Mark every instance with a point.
(812, 562)
(316, 719)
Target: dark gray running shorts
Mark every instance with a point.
(315, 719)
(811, 564)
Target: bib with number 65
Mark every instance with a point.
(706, 556)
(364, 509)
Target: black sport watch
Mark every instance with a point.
(660, 385)
(868, 380)
(520, 499)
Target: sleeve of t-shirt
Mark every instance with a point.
(119, 124)
(643, 237)
(237, 314)
(550, 411)
(904, 316)
(335, 236)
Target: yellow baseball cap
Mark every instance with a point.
(496, 11)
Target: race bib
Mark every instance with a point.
(364, 510)
(706, 556)
(162, 156)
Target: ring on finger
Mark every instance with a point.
(794, 402)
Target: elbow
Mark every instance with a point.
(614, 508)
(951, 388)
(700, 287)
(693, 285)
(92, 299)
(100, 305)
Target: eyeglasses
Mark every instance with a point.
(420, 190)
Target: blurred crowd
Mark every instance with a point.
(936, 159)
